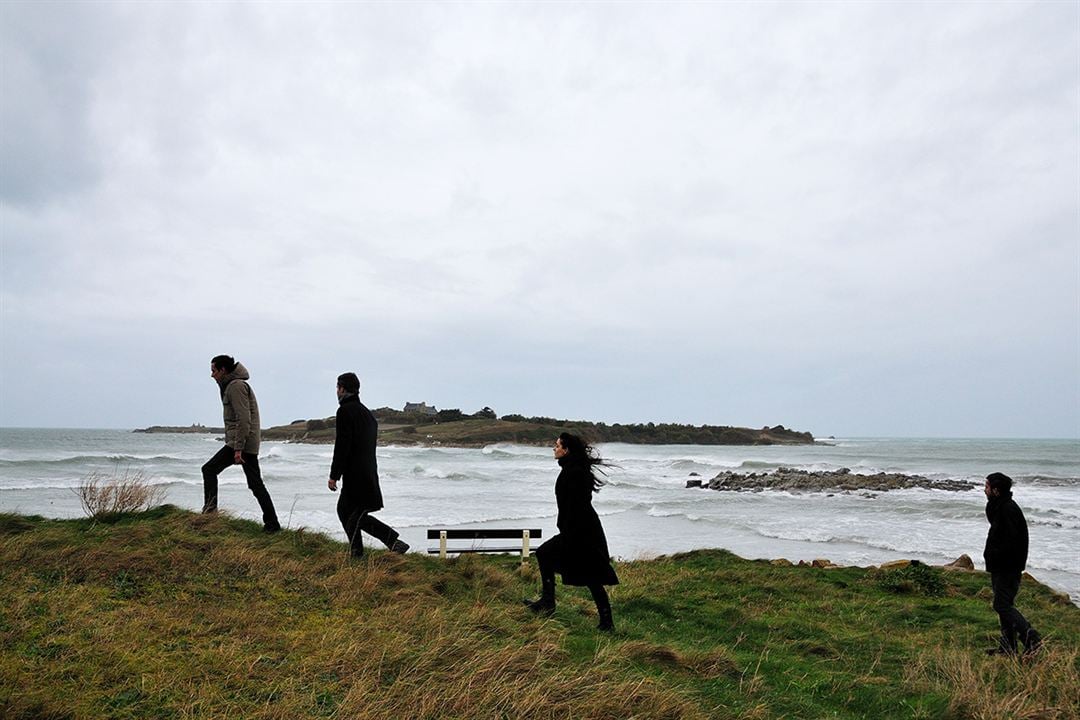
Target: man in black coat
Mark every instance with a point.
(1006, 556)
(354, 464)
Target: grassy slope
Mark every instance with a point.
(170, 614)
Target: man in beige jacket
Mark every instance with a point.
(241, 412)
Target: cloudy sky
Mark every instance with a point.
(848, 218)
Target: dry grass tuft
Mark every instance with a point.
(987, 688)
(709, 665)
(122, 492)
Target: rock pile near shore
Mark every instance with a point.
(791, 479)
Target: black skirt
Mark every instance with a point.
(578, 563)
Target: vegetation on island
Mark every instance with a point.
(452, 427)
(193, 428)
(172, 614)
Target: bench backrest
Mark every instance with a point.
(495, 533)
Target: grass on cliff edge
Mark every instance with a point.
(169, 614)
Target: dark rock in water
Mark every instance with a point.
(693, 483)
(694, 474)
(793, 480)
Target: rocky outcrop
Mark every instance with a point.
(960, 564)
(794, 480)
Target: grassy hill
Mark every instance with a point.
(170, 614)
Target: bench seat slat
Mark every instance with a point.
(456, 551)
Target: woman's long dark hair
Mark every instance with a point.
(579, 452)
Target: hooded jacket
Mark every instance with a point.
(1007, 542)
(240, 410)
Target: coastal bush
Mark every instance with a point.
(122, 492)
(915, 578)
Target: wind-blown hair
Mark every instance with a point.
(579, 452)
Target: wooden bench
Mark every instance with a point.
(446, 535)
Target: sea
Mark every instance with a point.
(646, 508)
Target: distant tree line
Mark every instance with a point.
(540, 427)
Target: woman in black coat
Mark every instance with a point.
(579, 552)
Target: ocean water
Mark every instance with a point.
(646, 509)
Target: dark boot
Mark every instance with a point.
(395, 544)
(603, 608)
(1006, 645)
(545, 604)
(1032, 643)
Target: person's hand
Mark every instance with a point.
(237, 458)
(332, 484)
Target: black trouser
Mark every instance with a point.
(224, 459)
(357, 521)
(1005, 586)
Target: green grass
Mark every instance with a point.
(169, 614)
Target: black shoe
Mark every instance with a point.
(209, 509)
(1001, 651)
(271, 528)
(399, 546)
(606, 624)
(1033, 643)
(542, 606)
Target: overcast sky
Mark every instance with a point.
(847, 218)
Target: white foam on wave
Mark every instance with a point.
(436, 474)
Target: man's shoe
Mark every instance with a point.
(541, 606)
(399, 546)
(1033, 643)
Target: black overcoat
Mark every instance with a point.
(580, 551)
(354, 455)
(1007, 541)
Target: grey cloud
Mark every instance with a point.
(760, 213)
(49, 54)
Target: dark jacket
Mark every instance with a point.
(1007, 542)
(580, 550)
(240, 410)
(354, 454)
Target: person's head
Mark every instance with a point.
(348, 384)
(573, 450)
(221, 365)
(997, 484)
(571, 446)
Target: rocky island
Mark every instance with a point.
(422, 425)
(193, 428)
(479, 430)
(842, 480)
